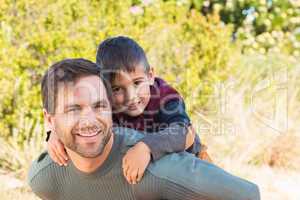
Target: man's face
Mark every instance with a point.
(131, 91)
(82, 117)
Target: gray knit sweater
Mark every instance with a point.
(50, 181)
(175, 177)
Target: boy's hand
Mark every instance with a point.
(56, 150)
(135, 162)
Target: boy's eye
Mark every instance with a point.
(117, 89)
(138, 82)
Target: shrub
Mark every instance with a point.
(262, 26)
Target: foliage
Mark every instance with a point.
(261, 25)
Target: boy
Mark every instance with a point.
(143, 102)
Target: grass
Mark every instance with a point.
(255, 134)
(274, 183)
(16, 156)
(259, 128)
(17, 194)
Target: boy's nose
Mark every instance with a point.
(132, 96)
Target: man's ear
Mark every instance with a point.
(48, 120)
(151, 75)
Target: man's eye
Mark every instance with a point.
(101, 105)
(72, 110)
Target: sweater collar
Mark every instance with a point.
(112, 159)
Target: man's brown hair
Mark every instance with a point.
(67, 70)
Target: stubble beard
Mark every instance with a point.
(81, 150)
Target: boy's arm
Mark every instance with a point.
(56, 149)
(177, 134)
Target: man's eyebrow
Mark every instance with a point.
(100, 102)
(72, 106)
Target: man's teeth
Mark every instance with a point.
(89, 134)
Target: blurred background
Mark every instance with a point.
(236, 63)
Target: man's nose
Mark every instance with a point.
(88, 116)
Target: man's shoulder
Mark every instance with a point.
(179, 168)
(40, 167)
(42, 177)
(186, 170)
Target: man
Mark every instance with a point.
(77, 108)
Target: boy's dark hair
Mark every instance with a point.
(67, 70)
(120, 53)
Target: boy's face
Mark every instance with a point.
(131, 91)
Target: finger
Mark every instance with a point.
(59, 159)
(129, 173)
(128, 177)
(59, 156)
(52, 155)
(125, 166)
(50, 152)
(134, 177)
(62, 152)
(140, 175)
(125, 172)
(124, 160)
(55, 157)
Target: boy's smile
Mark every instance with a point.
(131, 91)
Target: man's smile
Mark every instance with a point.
(89, 134)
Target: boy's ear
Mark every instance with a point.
(48, 120)
(151, 75)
